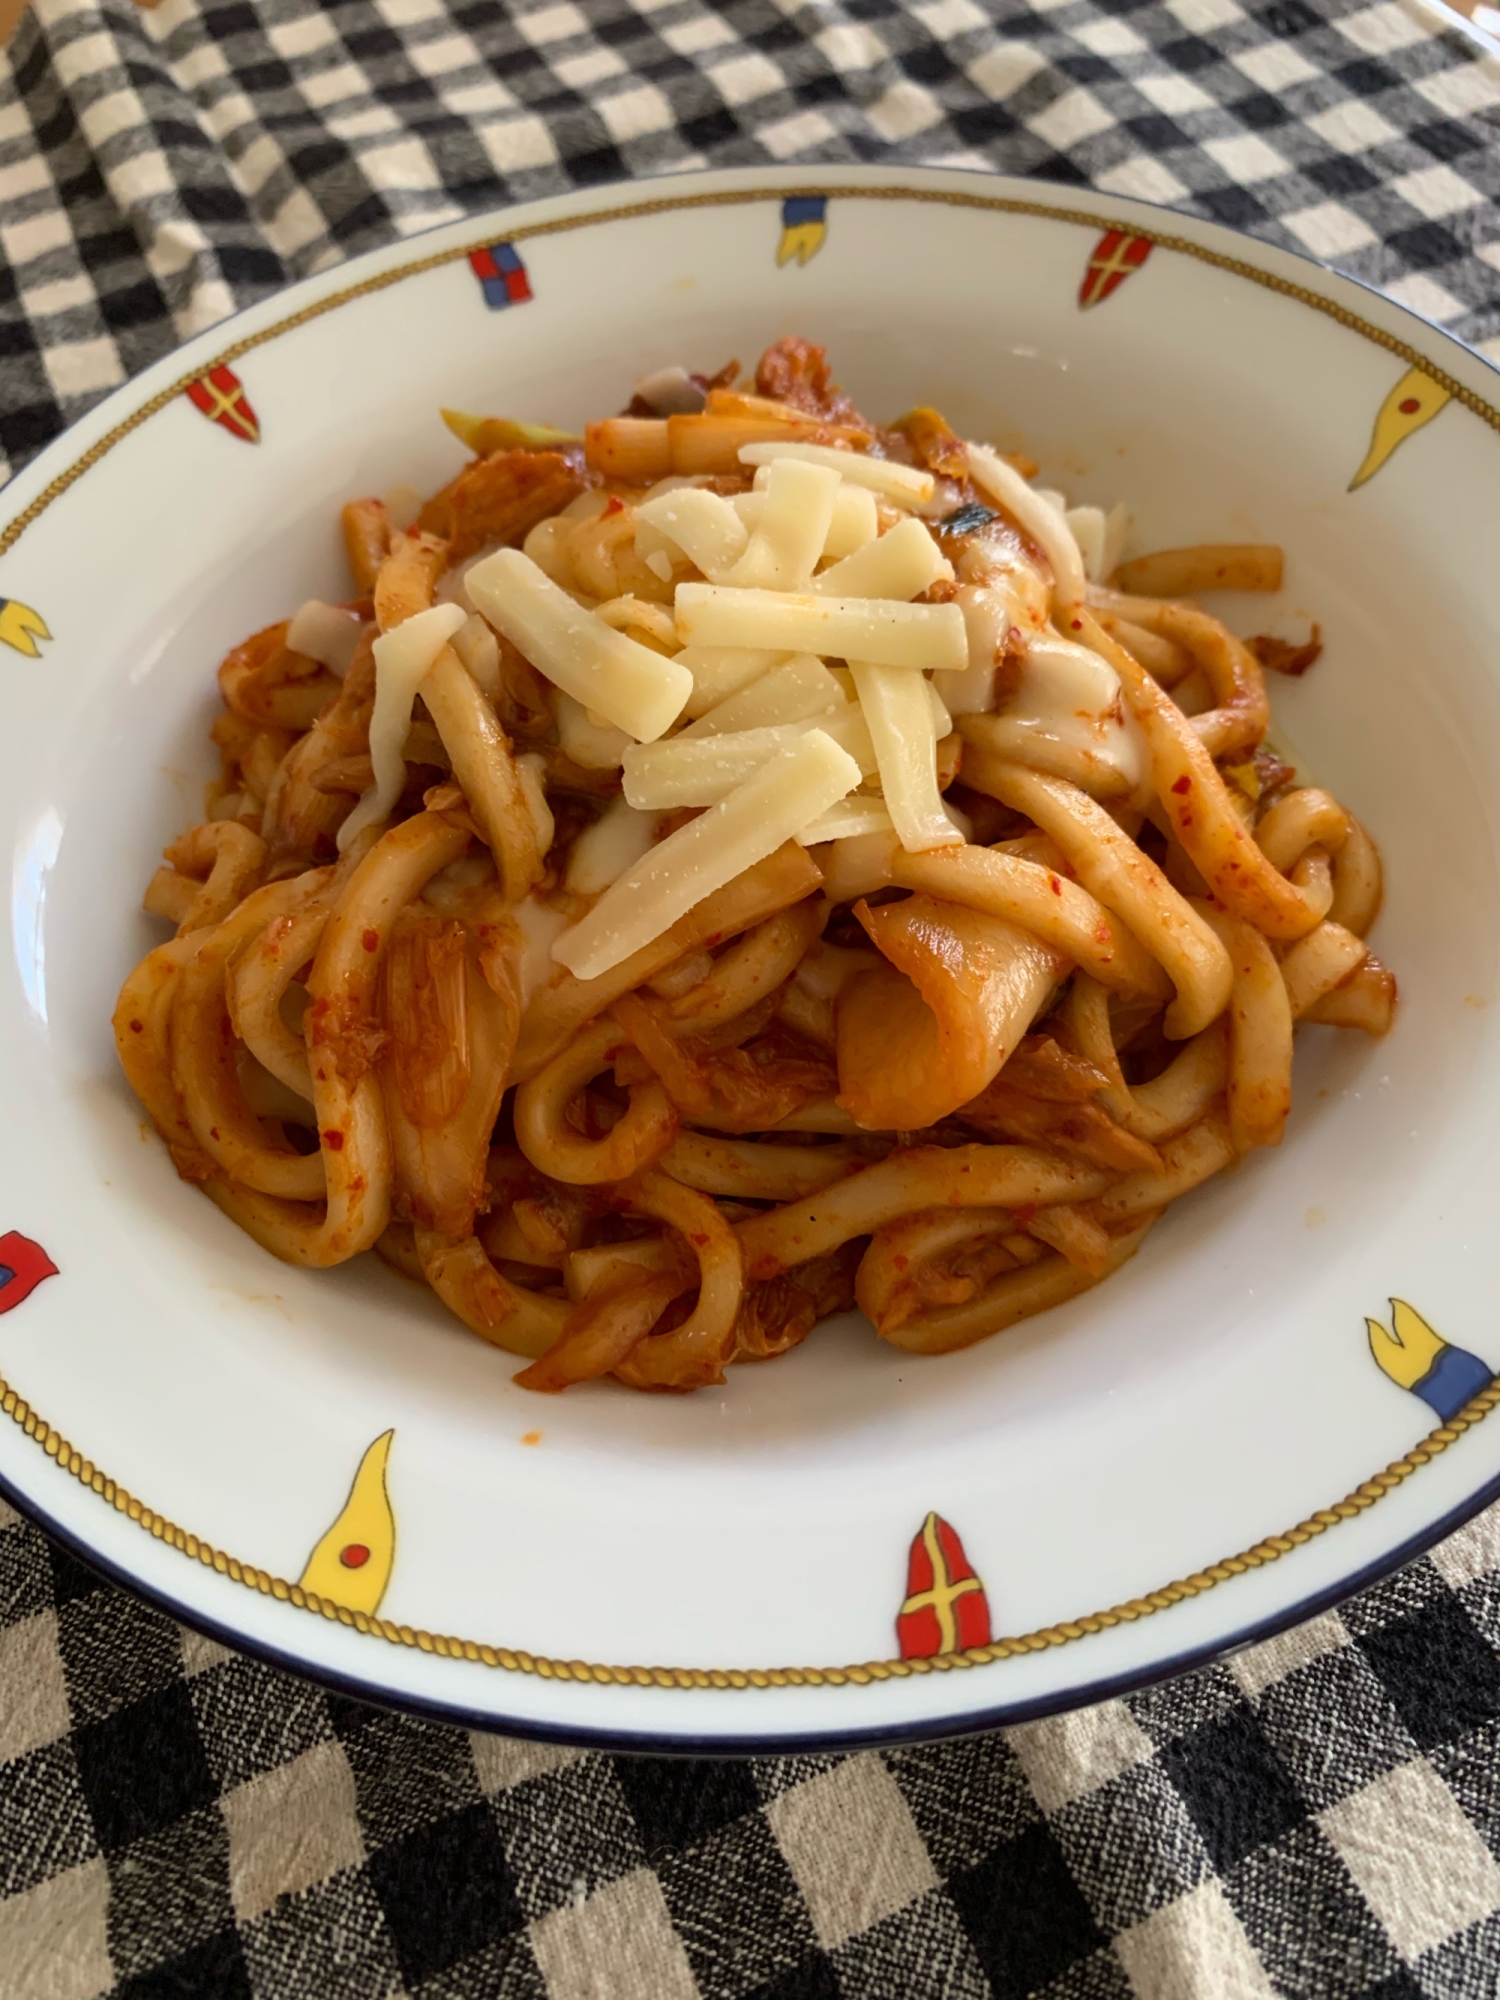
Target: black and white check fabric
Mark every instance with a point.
(158, 170)
(1319, 1818)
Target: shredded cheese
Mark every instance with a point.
(854, 522)
(325, 633)
(902, 483)
(924, 636)
(632, 687)
(853, 819)
(901, 564)
(800, 687)
(788, 540)
(701, 770)
(402, 658)
(898, 708)
(701, 524)
(791, 791)
(720, 671)
(1037, 516)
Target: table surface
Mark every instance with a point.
(1319, 1817)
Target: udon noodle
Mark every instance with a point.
(739, 864)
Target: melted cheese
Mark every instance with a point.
(1067, 715)
(603, 851)
(594, 747)
(402, 658)
(541, 927)
(1037, 515)
(478, 648)
(325, 633)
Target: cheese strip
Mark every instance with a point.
(854, 518)
(629, 685)
(402, 658)
(1036, 516)
(720, 671)
(791, 791)
(852, 819)
(925, 636)
(701, 770)
(902, 564)
(898, 708)
(902, 483)
(702, 524)
(325, 633)
(788, 541)
(800, 687)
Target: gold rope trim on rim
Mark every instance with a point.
(515, 1661)
(733, 198)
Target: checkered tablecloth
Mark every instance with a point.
(1318, 1818)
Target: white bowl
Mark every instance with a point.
(712, 1569)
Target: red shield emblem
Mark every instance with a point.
(946, 1610)
(220, 395)
(23, 1265)
(1116, 255)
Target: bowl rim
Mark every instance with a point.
(380, 268)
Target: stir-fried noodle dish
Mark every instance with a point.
(739, 864)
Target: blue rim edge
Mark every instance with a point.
(977, 1721)
(644, 1743)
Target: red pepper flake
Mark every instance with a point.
(1408, 406)
(213, 1131)
(1183, 785)
(137, 1027)
(354, 1555)
(1077, 624)
(1026, 1214)
(371, 940)
(1055, 885)
(333, 1139)
(697, 1237)
(614, 505)
(900, 1262)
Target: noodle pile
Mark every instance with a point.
(736, 865)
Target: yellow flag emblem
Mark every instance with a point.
(804, 225)
(21, 627)
(352, 1564)
(1415, 401)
